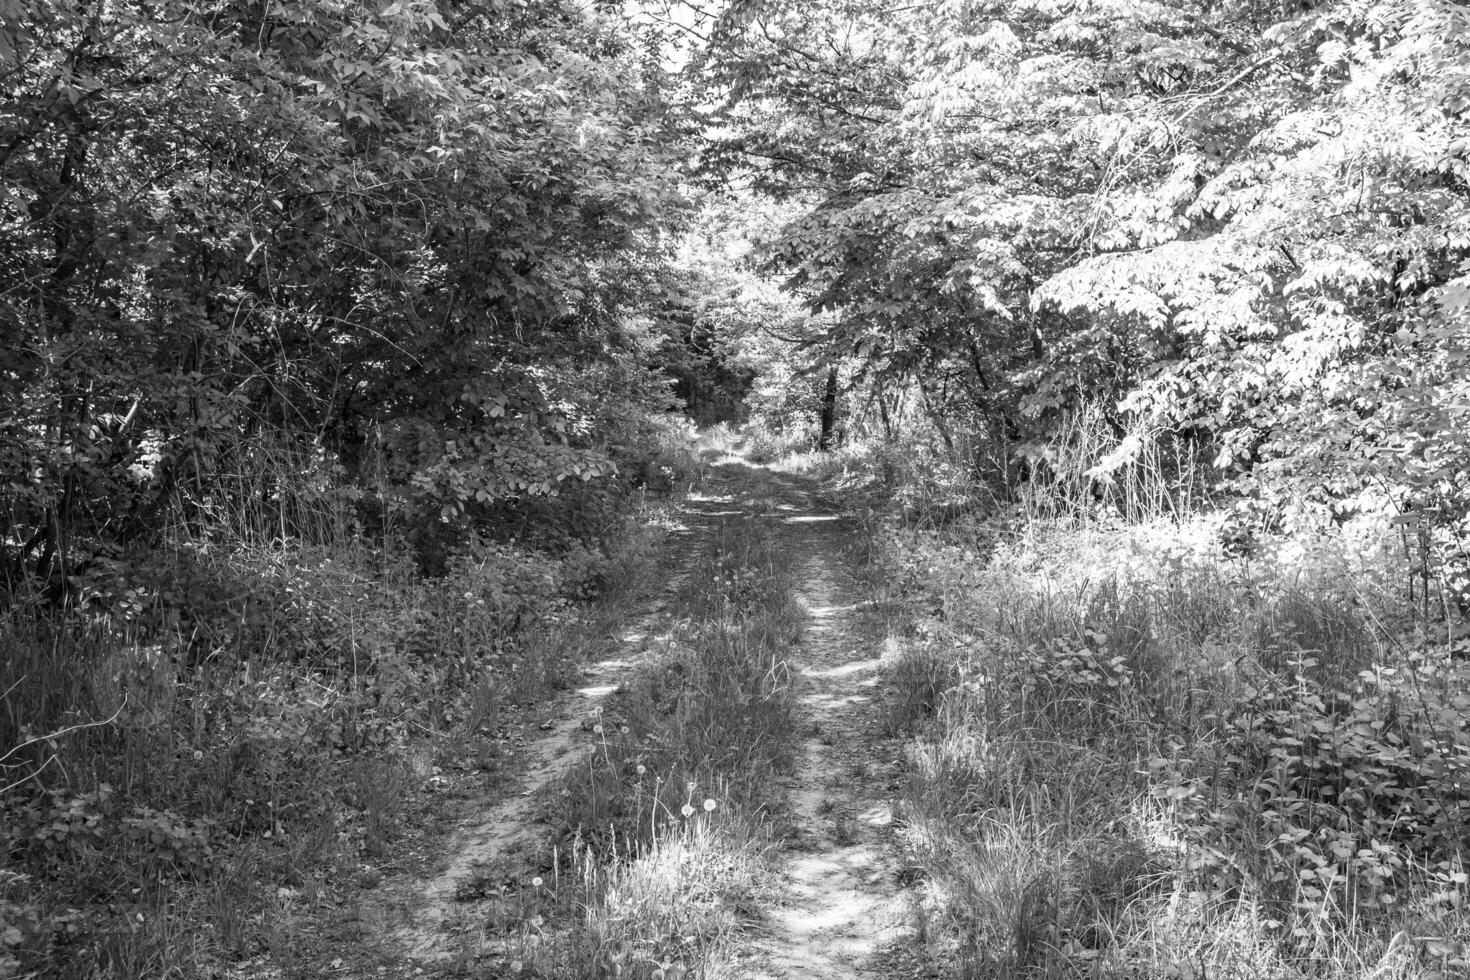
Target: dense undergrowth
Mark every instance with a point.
(234, 723)
(667, 822)
(1166, 744)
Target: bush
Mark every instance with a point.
(236, 710)
(1352, 790)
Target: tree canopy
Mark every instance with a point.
(426, 240)
(397, 235)
(1246, 221)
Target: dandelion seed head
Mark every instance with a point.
(597, 729)
(642, 770)
(687, 810)
(536, 882)
(709, 806)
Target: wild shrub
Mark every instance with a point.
(220, 719)
(761, 445)
(1353, 791)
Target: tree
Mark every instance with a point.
(1236, 219)
(402, 234)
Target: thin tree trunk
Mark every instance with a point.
(934, 416)
(829, 411)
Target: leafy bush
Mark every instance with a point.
(1351, 791)
(230, 711)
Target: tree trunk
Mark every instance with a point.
(829, 411)
(936, 418)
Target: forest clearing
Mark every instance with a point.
(759, 489)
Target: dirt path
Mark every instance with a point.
(426, 914)
(843, 903)
(840, 902)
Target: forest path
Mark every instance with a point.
(455, 903)
(842, 904)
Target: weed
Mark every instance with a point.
(378, 789)
(918, 680)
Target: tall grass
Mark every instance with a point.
(1155, 735)
(1089, 466)
(1132, 755)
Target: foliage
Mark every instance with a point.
(1243, 222)
(401, 238)
(321, 398)
(262, 739)
(724, 324)
(1352, 787)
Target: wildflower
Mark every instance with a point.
(624, 729)
(690, 786)
(536, 882)
(515, 966)
(709, 806)
(642, 770)
(687, 810)
(596, 729)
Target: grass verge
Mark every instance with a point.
(1132, 757)
(181, 796)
